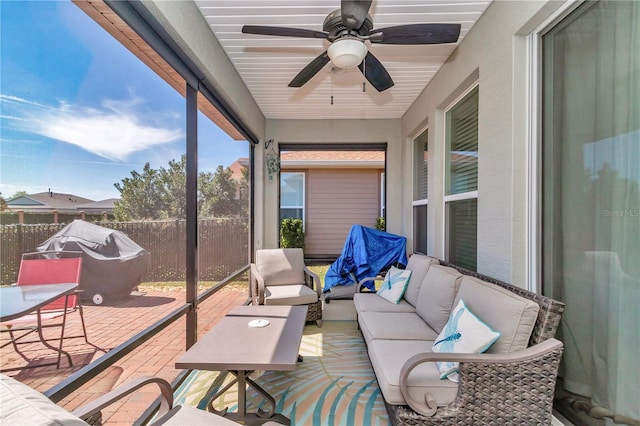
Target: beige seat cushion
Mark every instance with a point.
(511, 315)
(371, 302)
(437, 292)
(388, 357)
(289, 295)
(394, 326)
(281, 266)
(419, 266)
(22, 405)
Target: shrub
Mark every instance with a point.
(291, 233)
(380, 224)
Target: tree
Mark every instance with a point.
(172, 184)
(18, 194)
(3, 203)
(218, 193)
(244, 192)
(139, 196)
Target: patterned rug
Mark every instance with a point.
(334, 385)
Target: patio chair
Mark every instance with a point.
(24, 405)
(57, 268)
(280, 277)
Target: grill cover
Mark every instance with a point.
(366, 253)
(112, 264)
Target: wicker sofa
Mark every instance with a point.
(512, 383)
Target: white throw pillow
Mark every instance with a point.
(463, 333)
(394, 284)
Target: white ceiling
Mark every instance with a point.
(268, 63)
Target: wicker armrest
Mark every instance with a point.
(541, 359)
(314, 278)
(166, 397)
(257, 285)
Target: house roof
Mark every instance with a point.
(48, 200)
(332, 159)
(102, 205)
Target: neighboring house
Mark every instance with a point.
(236, 172)
(331, 191)
(63, 203)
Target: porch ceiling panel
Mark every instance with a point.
(268, 64)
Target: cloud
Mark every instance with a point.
(113, 131)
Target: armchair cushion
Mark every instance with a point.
(293, 294)
(281, 266)
(394, 284)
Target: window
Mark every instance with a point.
(461, 180)
(292, 196)
(420, 191)
(591, 205)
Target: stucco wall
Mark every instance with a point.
(494, 53)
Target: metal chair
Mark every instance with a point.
(48, 268)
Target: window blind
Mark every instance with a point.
(463, 231)
(421, 167)
(462, 141)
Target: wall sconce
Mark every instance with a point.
(271, 159)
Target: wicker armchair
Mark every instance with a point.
(280, 277)
(509, 388)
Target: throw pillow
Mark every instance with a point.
(463, 333)
(394, 284)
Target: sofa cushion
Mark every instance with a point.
(394, 284)
(295, 294)
(281, 266)
(371, 302)
(22, 405)
(388, 357)
(418, 265)
(437, 293)
(394, 326)
(463, 333)
(511, 315)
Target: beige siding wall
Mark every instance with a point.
(336, 199)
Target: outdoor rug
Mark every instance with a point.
(334, 385)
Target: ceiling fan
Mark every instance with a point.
(347, 29)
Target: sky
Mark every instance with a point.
(79, 112)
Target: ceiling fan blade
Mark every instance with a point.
(375, 72)
(417, 34)
(354, 12)
(310, 70)
(283, 31)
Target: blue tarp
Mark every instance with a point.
(366, 253)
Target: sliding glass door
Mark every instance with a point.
(591, 204)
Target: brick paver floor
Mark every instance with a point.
(109, 325)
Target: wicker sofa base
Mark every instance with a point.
(314, 311)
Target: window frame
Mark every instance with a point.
(304, 195)
(418, 202)
(469, 195)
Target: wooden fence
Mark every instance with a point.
(222, 246)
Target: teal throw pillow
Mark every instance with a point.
(394, 284)
(463, 333)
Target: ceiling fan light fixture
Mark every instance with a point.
(347, 52)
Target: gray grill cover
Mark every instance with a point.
(112, 264)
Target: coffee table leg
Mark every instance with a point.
(261, 416)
